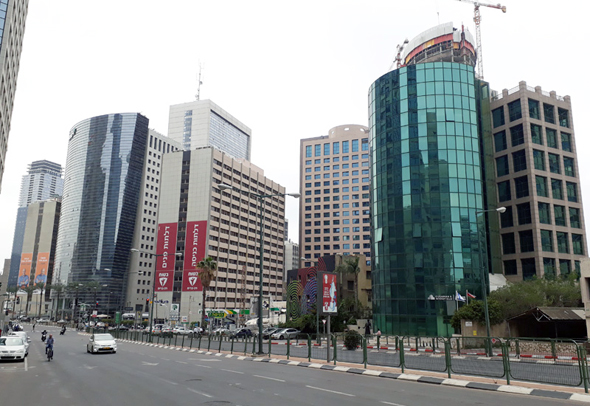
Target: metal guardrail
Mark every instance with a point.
(558, 362)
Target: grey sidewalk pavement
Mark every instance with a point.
(427, 377)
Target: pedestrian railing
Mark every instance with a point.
(559, 362)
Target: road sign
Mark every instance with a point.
(184, 319)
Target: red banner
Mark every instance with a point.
(329, 298)
(24, 275)
(41, 267)
(194, 252)
(165, 257)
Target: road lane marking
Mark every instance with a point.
(391, 403)
(203, 366)
(167, 381)
(181, 362)
(199, 393)
(328, 390)
(235, 372)
(272, 379)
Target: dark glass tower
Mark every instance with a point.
(100, 202)
(428, 189)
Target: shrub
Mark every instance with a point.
(352, 340)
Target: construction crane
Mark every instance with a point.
(477, 19)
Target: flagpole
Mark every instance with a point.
(467, 296)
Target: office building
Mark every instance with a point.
(538, 180)
(199, 220)
(334, 207)
(292, 259)
(142, 263)
(429, 184)
(202, 123)
(43, 181)
(103, 181)
(13, 15)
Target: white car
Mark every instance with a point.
(180, 330)
(101, 343)
(42, 320)
(12, 347)
(23, 336)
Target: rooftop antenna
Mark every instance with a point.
(198, 96)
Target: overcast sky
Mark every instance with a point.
(288, 70)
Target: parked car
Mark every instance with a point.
(101, 343)
(241, 333)
(42, 320)
(285, 333)
(180, 330)
(23, 336)
(12, 347)
(267, 332)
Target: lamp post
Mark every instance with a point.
(483, 278)
(260, 198)
(178, 254)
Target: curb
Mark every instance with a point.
(389, 375)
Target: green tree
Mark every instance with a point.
(474, 311)
(29, 291)
(350, 266)
(208, 272)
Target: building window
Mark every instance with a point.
(556, 189)
(506, 218)
(549, 113)
(504, 191)
(537, 134)
(526, 241)
(510, 267)
(521, 186)
(345, 147)
(554, 163)
(574, 217)
(534, 109)
(572, 192)
(508, 245)
(564, 267)
(524, 213)
(551, 136)
(568, 166)
(562, 245)
(502, 167)
(519, 161)
(327, 149)
(566, 142)
(529, 270)
(547, 240)
(308, 151)
(559, 215)
(563, 117)
(577, 244)
(541, 182)
(549, 267)
(517, 135)
(355, 145)
(500, 141)
(544, 213)
(539, 159)
(514, 110)
(498, 117)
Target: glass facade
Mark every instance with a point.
(103, 180)
(227, 137)
(427, 194)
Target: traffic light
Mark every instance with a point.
(97, 304)
(147, 301)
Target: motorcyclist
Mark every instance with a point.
(63, 330)
(43, 335)
(49, 343)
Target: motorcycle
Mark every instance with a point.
(62, 332)
(43, 336)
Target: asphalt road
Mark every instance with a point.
(140, 375)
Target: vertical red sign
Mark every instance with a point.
(194, 252)
(41, 267)
(166, 257)
(329, 297)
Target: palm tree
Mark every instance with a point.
(208, 268)
(10, 290)
(41, 287)
(59, 288)
(29, 291)
(350, 266)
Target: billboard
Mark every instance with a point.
(194, 251)
(41, 267)
(165, 256)
(328, 296)
(24, 273)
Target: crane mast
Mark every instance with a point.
(477, 20)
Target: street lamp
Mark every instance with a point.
(260, 198)
(178, 254)
(483, 278)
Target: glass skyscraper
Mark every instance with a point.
(428, 187)
(103, 180)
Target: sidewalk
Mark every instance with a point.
(465, 381)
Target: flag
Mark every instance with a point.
(458, 297)
(470, 296)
